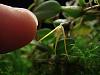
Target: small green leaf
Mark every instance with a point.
(81, 2)
(58, 22)
(89, 16)
(47, 10)
(72, 11)
(42, 32)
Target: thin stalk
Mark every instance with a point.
(92, 7)
(50, 33)
(57, 39)
(58, 35)
(32, 5)
(65, 43)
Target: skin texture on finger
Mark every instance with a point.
(17, 27)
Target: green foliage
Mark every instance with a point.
(58, 22)
(14, 64)
(72, 11)
(97, 1)
(71, 48)
(81, 2)
(42, 32)
(47, 10)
